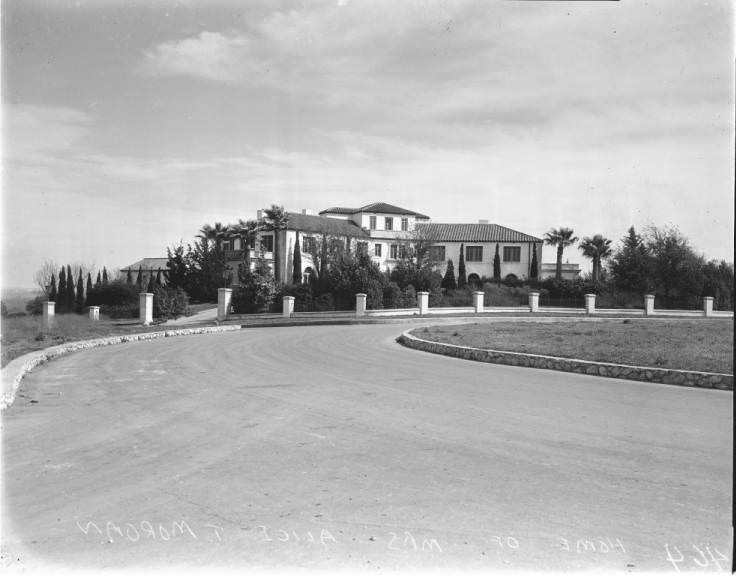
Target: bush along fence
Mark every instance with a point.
(224, 308)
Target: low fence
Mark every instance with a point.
(292, 309)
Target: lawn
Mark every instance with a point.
(23, 333)
(698, 345)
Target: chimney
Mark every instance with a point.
(307, 212)
(482, 221)
(259, 215)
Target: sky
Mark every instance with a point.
(127, 126)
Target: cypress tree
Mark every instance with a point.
(69, 299)
(104, 276)
(89, 283)
(159, 282)
(61, 296)
(497, 266)
(139, 280)
(80, 292)
(297, 275)
(462, 281)
(52, 289)
(151, 282)
(99, 281)
(534, 270)
(448, 282)
(128, 278)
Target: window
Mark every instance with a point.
(512, 253)
(474, 253)
(389, 224)
(394, 254)
(308, 245)
(373, 222)
(404, 224)
(377, 250)
(227, 245)
(437, 253)
(267, 243)
(252, 242)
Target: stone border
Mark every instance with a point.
(650, 374)
(18, 368)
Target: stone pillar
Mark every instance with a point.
(224, 295)
(49, 309)
(360, 303)
(478, 301)
(649, 304)
(589, 303)
(288, 305)
(145, 314)
(533, 301)
(423, 302)
(707, 306)
(94, 313)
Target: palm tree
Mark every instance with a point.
(597, 249)
(246, 231)
(276, 220)
(562, 238)
(215, 234)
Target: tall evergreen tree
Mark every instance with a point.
(104, 276)
(631, 264)
(98, 282)
(151, 282)
(52, 290)
(448, 281)
(139, 279)
(159, 281)
(128, 278)
(61, 296)
(534, 268)
(89, 283)
(297, 275)
(462, 280)
(79, 303)
(69, 299)
(497, 266)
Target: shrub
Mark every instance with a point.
(169, 303)
(35, 306)
(392, 296)
(114, 294)
(124, 311)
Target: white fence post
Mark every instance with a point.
(360, 303)
(48, 309)
(145, 314)
(478, 301)
(589, 303)
(288, 305)
(707, 306)
(224, 296)
(94, 313)
(533, 301)
(649, 304)
(423, 301)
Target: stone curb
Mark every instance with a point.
(17, 369)
(650, 374)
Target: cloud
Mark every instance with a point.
(210, 55)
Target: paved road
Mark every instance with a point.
(335, 447)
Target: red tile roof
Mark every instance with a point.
(324, 225)
(377, 207)
(474, 233)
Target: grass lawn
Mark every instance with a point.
(23, 334)
(698, 345)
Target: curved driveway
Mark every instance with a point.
(333, 446)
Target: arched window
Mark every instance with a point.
(474, 280)
(307, 275)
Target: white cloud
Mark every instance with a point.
(210, 55)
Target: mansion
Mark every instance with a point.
(384, 230)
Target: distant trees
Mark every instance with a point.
(561, 238)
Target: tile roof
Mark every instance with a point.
(474, 233)
(377, 207)
(147, 264)
(324, 225)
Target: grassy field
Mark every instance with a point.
(24, 333)
(698, 345)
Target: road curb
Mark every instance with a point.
(14, 372)
(701, 379)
